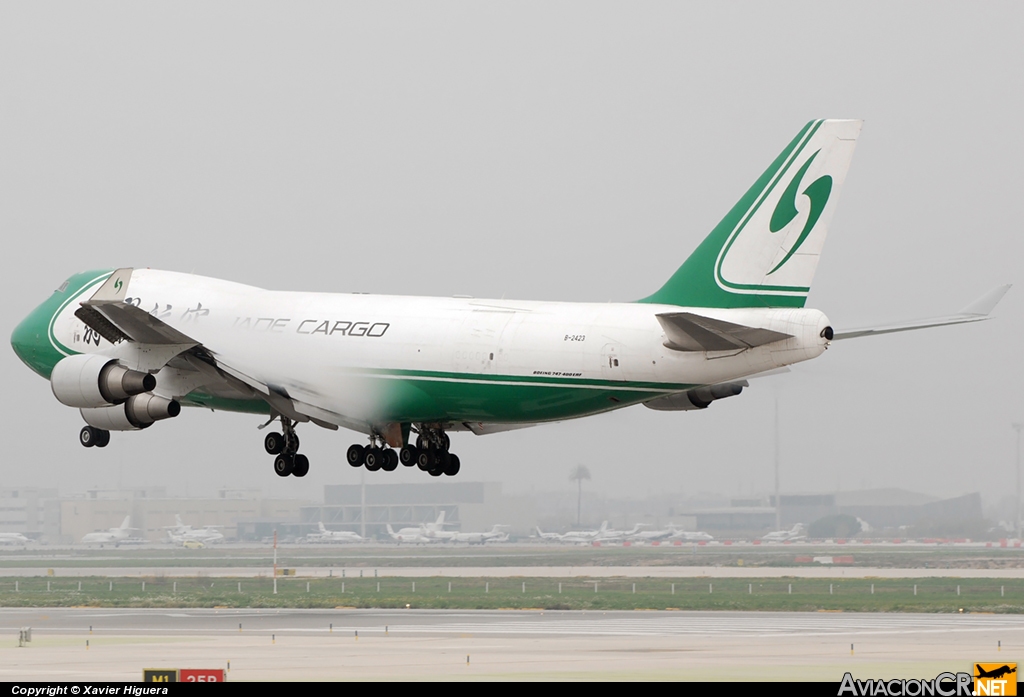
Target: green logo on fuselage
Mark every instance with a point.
(785, 211)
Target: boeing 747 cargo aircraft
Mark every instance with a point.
(130, 347)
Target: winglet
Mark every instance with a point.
(986, 303)
(114, 288)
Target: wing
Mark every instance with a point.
(977, 311)
(146, 343)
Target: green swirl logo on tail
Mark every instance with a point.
(818, 191)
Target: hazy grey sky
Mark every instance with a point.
(571, 151)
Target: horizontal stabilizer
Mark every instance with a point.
(689, 332)
(975, 312)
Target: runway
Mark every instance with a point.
(434, 645)
(820, 571)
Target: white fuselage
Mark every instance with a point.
(382, 359)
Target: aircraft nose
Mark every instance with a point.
(24, 339)
(30, 341)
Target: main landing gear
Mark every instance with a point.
(93, 437)
(285, 448)
(430, 454)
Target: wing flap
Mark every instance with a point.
(93, 319)
(686, 331)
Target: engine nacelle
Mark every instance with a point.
(698, 398)
(139, 411)
(89, 380)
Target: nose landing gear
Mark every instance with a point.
(91, 437)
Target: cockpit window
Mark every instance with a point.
(63, 287)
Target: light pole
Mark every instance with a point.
(1017, 428)
(778, 496)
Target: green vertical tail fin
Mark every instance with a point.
(766, 249)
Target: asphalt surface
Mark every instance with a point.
(500, 645)
(104, 621)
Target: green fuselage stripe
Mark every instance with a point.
(525, 380)
(410, 396)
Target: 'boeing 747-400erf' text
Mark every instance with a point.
(130, 347)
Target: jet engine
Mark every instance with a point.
(89, 380)
(138, 412)
(698, 398)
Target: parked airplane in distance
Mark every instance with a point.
(180, 533)
(430, 531)
(797, 532)
(496, 534)
(414, 537)
(610, 535)
(690, 536)
(326, 535)
(114, 536)
(573, 536)
(130, 347)
(13, 538)
(548, 536)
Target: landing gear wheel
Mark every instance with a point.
(374, 459)
(442, 460)
(88, 436)
(453, 466)
(390, 463)
(446, 442)
(437, 471)
(284, 464)
(355, 455)
(102, 438)
(274, 443)
(408, 455)
(301, 466)
(425, 459)
(292, 444)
